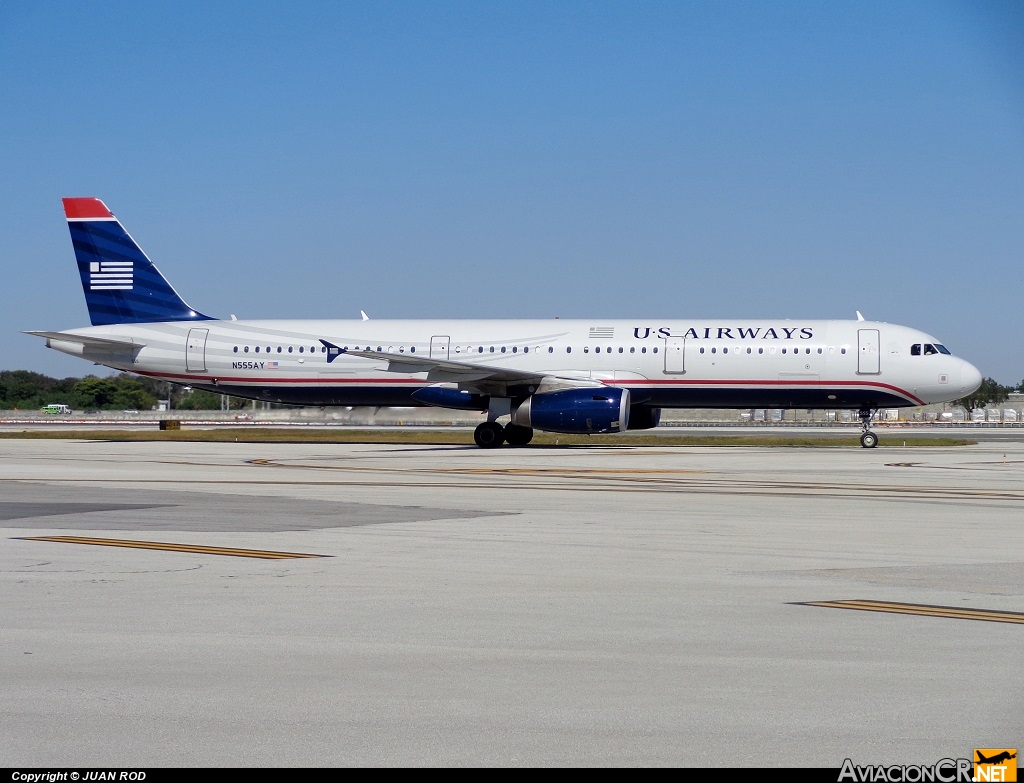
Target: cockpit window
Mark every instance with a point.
(942, 349)
(929, 349)
(915, 349)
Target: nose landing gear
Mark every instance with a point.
(868, 439)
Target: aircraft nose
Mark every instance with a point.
(970, 378)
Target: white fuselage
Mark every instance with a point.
(669, 364)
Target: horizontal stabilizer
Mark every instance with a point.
(95, 342)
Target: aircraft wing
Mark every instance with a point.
(92, 342)
(480, 376)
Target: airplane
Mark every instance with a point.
(565, 376)
(996, 759)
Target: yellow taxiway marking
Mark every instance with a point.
(927, 610)
(201, 550)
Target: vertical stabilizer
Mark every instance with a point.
(121, 285)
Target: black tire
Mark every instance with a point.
(869, 440)
(515, 435)
(489, 435)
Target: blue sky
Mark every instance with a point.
(428, 159)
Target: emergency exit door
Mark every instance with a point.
(675, 353)
(867, 352)
(195, 351)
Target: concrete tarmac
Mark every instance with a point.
(539, 606)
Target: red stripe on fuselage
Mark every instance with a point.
(678, 383)
(824, 384)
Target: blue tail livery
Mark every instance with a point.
(121, 285)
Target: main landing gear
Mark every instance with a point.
(868, 439)
(490, 435)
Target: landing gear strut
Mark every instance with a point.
(868, 439)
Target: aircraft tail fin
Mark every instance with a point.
(121, 284)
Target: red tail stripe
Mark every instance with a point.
(86, 208)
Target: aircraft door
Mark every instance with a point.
(868, 352)
(439, 344)
(675, 353)
(195, 350)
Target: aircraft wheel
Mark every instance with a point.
(489, 435)
(869, 440)
(515, 435)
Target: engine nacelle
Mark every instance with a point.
(642, 417)
(599, 409)
(444, 396)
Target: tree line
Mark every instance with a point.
(26, 390)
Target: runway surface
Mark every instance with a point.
(549, 606)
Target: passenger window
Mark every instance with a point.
(702, 349)
(503, 349)
(514, 349)
(246, 349)
(257, 349)
(289, 349)
(301, 349)
(551, 349)
(412, 349)
(568, 349)
(654, 350)
(643, 350)
(842, 350)
(236, 349)
(760, 350)
(632, 349)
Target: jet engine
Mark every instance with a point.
(588, 410)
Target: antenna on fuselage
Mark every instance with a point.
(859, 316)
(364, 315)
